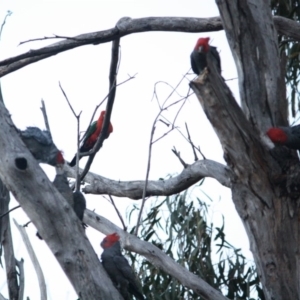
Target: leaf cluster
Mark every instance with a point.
(178, 226)
(290, 9)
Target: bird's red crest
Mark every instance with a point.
(110, 240)
(102, 114)
(203, 42)
(59, 158)
(277, 135)
(101, 120)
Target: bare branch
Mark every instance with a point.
(287, 27)
(162, 108)
(177, 154)
(35, 262)
(8, 14)
(77, 181)
(54, 219)
(54, 37)
(134, 189)
(9, 211)
(154, 255)
(20, 265)
(110, 102)
(191, 143)
(7, 244)
(111, 200)
(70, 105)
(147, 177)
(128, 26)
(43, 109)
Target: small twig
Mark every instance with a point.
(162, 108)
(162, 136)
(199, 150)
(9, 211)
(191, 143)
(43, 109)
(147, 177)
(180, 108)
(164, 122)
(34, 260)
(8, 14)
(111, 200)
(66, 97)
(77, 116)
(50, 38)
(26, 224)
(185, 165)
(77, 183)
(229, 79)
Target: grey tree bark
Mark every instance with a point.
(52, 215)
(264, 182)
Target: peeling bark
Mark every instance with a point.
(259, 189)
(155, 256)
(52, 215)
(127, 26)
(34, 260)
(7, 244)
(134, 189)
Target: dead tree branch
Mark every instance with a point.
(128, 26)
(7, 244)
(134, 189)
(43, 109)
(34, 260)
(111, 200)
(157, 257)
(20, 265)
(53, 218)
(9, 211)
(177, 154)
(77, 179)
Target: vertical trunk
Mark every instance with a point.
(262, 190)
(7, 243)
(53, 217)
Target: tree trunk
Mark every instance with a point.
(265, 185)
(52, 215)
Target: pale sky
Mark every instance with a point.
(83, 73)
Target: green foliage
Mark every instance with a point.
(290, 9)
(178, 226)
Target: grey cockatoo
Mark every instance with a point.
(79, 206)
(118, 268)
(40, 144)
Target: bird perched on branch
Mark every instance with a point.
(118, 268)
(285, 136)
(79, 206)
(61, 181)
(199, 56)
(92, 135)
(40, 144)
(76, 199)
